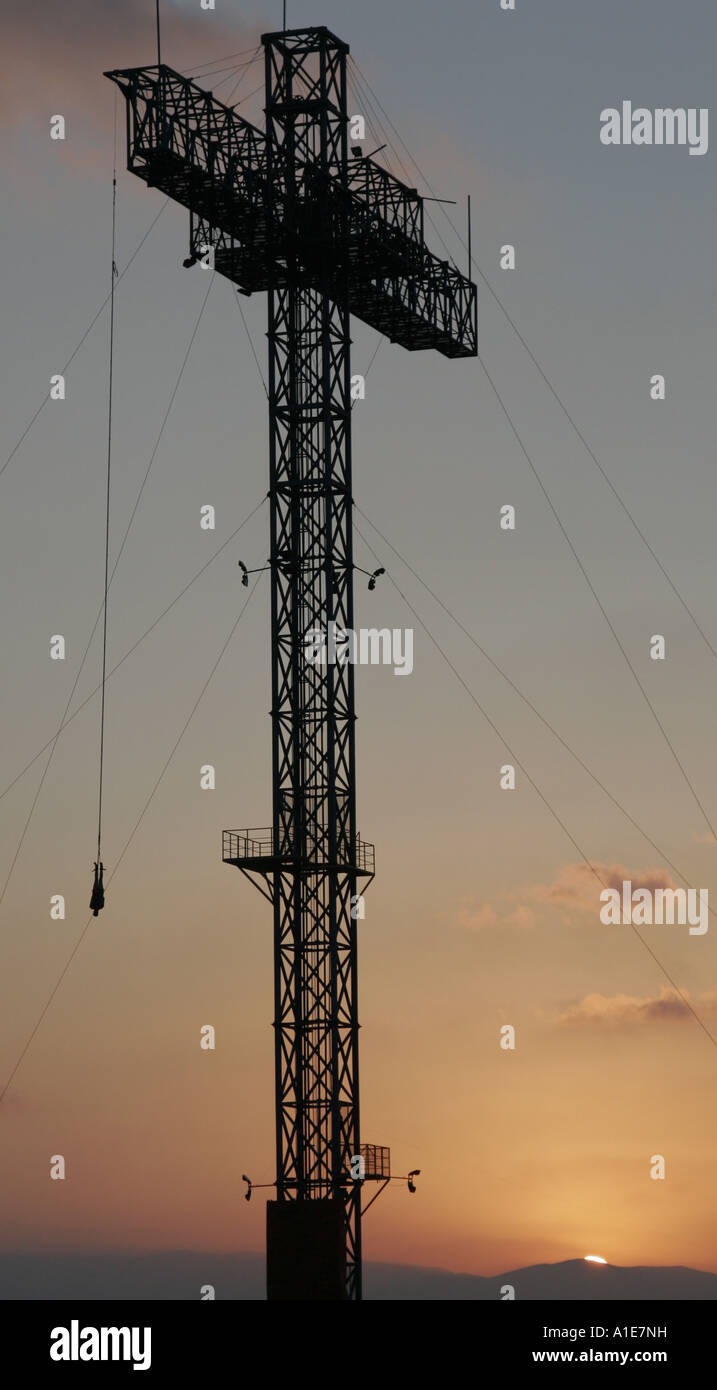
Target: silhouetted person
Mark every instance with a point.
(97, 901)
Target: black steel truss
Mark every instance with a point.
(200, 152)
(326, 236)
(316, 1024)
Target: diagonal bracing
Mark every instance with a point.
(289, 213)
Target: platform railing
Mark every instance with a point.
(258, 843)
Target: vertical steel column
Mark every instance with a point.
(313, 758)
(277, 211)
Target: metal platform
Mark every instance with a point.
(377, 1162)
(254, 850)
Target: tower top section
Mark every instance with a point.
(316, 37)
(291, 203)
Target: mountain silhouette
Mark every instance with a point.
(181, 1274)
(566, 1281)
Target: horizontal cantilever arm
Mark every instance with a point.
(366, 223)
(199, 152)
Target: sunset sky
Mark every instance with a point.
(482, 912)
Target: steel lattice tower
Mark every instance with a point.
(325, 235)
(314, 801)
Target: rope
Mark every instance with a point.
(525, 699)
(67, 719)
(533, 783)
(107, 505)
(85, 335)
(135, 828)
(525, 345)
(210, 62)
(100, 610)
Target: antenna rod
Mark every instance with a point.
(284, 14)
(470, 252)
(159, 50)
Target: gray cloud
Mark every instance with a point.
(578, 887)
(55, 55)
(625, 1010)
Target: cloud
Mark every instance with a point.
(627, 1011)
(54, 56)
(575, 889)
(578, 886)
(486, 916)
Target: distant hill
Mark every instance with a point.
(180, 1274)
(571, 1279)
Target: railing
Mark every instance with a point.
(242, 845)
(397, 206)
(247, 844)
(377, 1161)
(365, 856)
